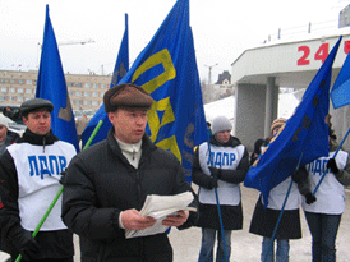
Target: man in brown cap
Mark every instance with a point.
(106, 185)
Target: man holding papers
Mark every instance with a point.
(107, 184)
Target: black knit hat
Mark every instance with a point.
(127, 96)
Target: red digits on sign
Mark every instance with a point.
(322, 52)
(346, 47)
(303, 60)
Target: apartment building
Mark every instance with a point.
(85, 91)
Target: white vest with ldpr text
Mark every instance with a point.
(38, 182)
(227, 158)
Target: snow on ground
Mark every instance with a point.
(226, 107)
(222, 107)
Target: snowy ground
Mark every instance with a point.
(226, 107)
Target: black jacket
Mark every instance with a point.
(100, 183)
(232, 216)
(53, 244)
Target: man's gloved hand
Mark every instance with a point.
(27, 246)
(215, 172)
(332, 165)
(310, 198)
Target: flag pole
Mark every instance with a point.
(325, 172)
(218, 204)
(53, 203)
(281, 213)
(98, 126)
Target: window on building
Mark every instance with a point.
(77, 102)
(86, 94)
(3, 80)
(77, 93)
(3, 89)
(29, 90)
(95, 103)
(101, 94)
(20, 99)
(12, 89)
(86, 103)
(12, 81)
(87, 85)
(72, 84)
(19, 90)
(94, 94)
(71, 93)
(12, 98)
(20, 81)
(29, 81)
(94, 85)
(104, 85)
(2, 98)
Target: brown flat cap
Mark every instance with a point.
(127, 96)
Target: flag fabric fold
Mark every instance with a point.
(305, 134)
(51, 85)
(120, 70)
(167, 70)
(340, 94)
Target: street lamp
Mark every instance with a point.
(209, 74)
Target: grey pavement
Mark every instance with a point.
(247, 247)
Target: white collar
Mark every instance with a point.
(131, 148)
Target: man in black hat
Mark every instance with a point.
(29, 181)
(106, 185)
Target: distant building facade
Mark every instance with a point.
(85, 90)
(224, 78)
(223, 86)
(344, 17)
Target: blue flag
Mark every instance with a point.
(51, 85)
(340, 93)
(304, 137)
(120, 70)
(167, 70)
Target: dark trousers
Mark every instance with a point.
(324, 229)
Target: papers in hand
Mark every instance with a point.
(159, 207)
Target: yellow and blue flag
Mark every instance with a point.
(51, 85)
(167, 70)
(340, 94)
(304, 137)
(120, 70)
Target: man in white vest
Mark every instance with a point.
(29, 181)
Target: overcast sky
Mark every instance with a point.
(222, 29)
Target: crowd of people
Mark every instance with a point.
(105, 186)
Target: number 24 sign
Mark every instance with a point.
(321, 53)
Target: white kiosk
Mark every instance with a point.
(260, 71)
